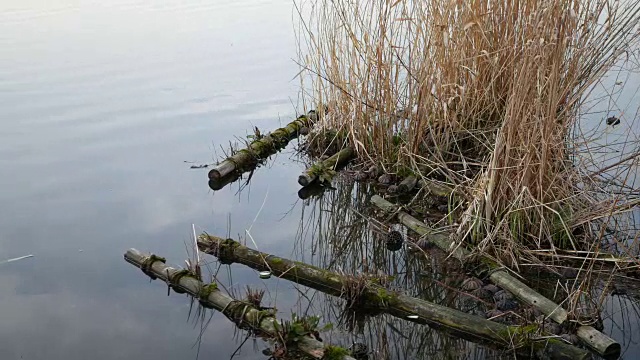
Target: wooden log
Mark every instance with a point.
(217, 184)
(259, 149)
(210, 296)
(338, 159)
(407, 184)
(602, 344)
(374, 296)
(434, 188)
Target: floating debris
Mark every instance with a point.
(265, 274)
(412, 317)
(394, 240)
(613, 121)
(16, 259)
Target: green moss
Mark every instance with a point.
(334, 353)
(206, 290)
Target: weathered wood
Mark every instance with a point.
(498, 277)
(468, 326)
(259, 149)
(434, 188)
(244, 315)
(600, 343)
(407, 184)
(217, 184)
(335, 161)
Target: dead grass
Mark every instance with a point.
(489, 97)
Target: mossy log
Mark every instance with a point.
(601, 344)
(338, 159)
(376, 297)
(241, 313)
(259, 149)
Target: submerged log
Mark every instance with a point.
(337, 160)
(240, 312)
(259, 149)
(376, 297)
(601, 343)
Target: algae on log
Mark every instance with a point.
(602, 344)
(468, 326)
(240, 312)
(246, 159)
(318, 169)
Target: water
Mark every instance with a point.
(100, 105)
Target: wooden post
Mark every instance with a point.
(601, 344)
(262, 148)
(468, 326)
(241, 313)
(337, 160)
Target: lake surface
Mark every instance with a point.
(100, 105)
(103, 108)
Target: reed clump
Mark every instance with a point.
(485, 95)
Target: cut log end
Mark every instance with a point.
(304, 180)
(215, 175)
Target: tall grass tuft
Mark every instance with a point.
(483, 94)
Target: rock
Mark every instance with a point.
(552, 327)
(502, 295)
(385, 179)
(570, 338)
(471, 284)
(506, 305)
(360, 176)
(482, 294)
(494, 289)
(568, 273)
